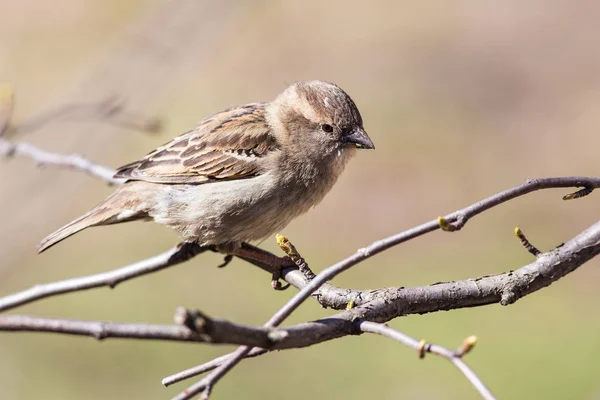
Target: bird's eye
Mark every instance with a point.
(327, 128)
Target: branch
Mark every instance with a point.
(212, 331)
(206, 330)
(394, 302)
(455, 357)
(451, 222)
(70, 161)
(176, 255)
(299, 275)
(203, 329)
(208, 366)
(335, 297)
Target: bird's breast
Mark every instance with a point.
(245, 209)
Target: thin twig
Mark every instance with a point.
(175, 255)
(71, 161)
(205, 385)
(452, 356)
(208, 366)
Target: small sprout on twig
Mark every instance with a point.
(525, 242)
(445, 225)
(579, 194)
(287, 247)
(226, 260)
(466, 346)
(422, 349)
(350, 305)
(290, 250)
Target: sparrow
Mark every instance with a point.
(242, 174)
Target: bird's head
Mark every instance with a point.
(319, 116)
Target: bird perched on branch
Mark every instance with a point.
(242, 174)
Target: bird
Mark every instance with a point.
(241, 174)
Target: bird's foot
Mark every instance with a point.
(261, 258)
(276, 281)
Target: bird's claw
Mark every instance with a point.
(276, 281)
(226, 260)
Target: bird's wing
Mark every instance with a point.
(230, 144)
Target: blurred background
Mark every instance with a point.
(462, 101)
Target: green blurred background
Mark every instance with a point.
(462, 99)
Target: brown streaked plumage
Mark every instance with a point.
(223, 146)
(242, 173)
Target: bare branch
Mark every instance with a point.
(328, 295)
(198, 328)
(390, 304)
(458, 218)
(504, 288)
(176, 255)
(335, 297)
(204, 329)
(452, 356)
(213, 330)
(70, 161)
(208, 366)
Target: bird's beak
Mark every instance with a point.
(359, 138)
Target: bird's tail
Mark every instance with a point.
(110, 211)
